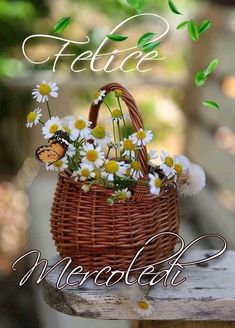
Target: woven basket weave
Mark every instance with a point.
(94, 234)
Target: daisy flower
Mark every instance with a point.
(143, 307)
(66, 123)
(135, 170)
(112, 168)
(99, 95)
(152, 154)
(80, 128)
(155, 184)
(59, 165)
(84, 173)
(181, 164)
(51, 127)
(167, 165)
(100, 135)
(33, 117)
(117, 116)
(71, 150)
(192, 181)
(92, 155)
(121, 195)
(43, 90)
(128, 148)
(142, 137)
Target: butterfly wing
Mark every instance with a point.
(47, 155)
(59, 148)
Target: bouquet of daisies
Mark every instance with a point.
(94, 155)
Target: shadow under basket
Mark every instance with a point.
(95, 234)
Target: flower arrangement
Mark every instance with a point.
(94, 157)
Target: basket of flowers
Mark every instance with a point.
(110, 198)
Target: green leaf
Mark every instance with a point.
(145, 38)
(193, 30)
(200, 78)
(61, 25)
(173, 8)
(150, 46)
(211, 104)
(204, 26)
(138, 5)
(182, 25)
(211, 67)
(116, 37)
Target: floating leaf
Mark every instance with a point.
(212, 104)
(211, 67)
(61, 25)
(204, 26)
(138, 5)
(173, 7)
(150, 46)
(200, 78)
(116, 37)
(193, 30)
(145, 38)
(182, 25)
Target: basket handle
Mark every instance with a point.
(135, 116)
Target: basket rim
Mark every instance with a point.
(67, 175)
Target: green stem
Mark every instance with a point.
(124, 122)
(119, 133)
(114, 132)
(108, 152)
(41, 122)
(48, 108)
(148, 291)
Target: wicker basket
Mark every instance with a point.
(94, 234)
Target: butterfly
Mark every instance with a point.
(55, 150)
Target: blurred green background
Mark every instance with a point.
(168, 99)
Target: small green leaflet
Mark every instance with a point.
(145, 38)
(211, 104)
(173, 7)
(211, 67)
(182, 25)
(138, 5)
(193, 30)
(150, 46)
(200, 78)
(61, 25)
(204, 26)
(116, 37)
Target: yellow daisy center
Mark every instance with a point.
(118, 92)
(31, 117)
(67, 129)
(98, 132)
(97, 173)
(97, 94)
(121, 195)
(85, 172)
(128, 145)
(141, 135)
(116, 113)
(44, 89)
(53, 128)
(136, 165)
(143, 305)
(80, 124)
(158, 182)
(111, 166)
(58, 163)
(169, 161)
(92, 155)
(178, 168)
(128, 171)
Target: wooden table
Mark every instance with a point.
(205, 299)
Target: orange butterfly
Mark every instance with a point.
(58, 145)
